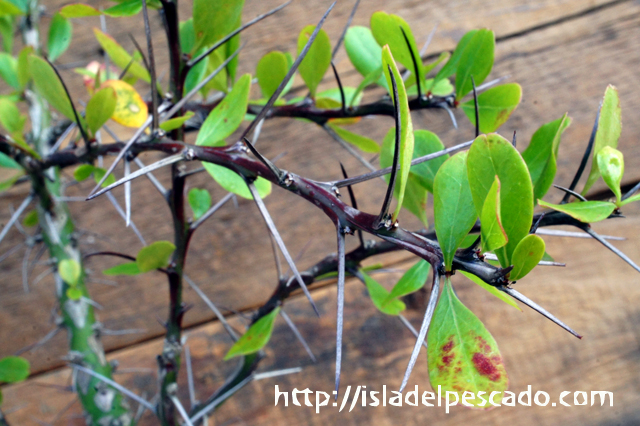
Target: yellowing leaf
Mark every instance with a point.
(131, 110)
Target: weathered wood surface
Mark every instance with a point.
(601, 302)
(563, 54)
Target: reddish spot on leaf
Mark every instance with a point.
(447, 348)
(446, 360)
(485, 367)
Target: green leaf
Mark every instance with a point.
(406, 127)
(120, 57)
(9, 70)
(8, 8)
(426, 143)
(176, 122)
(74, 293)
(380, 297)
(374, 77)
(126, 8)
(493, 235)
(491, 289)
(78, 10)
(542, 152)
(256, 337)
(100, 108)
(270, 71)
(10, 117)
(60, 33)
(70, 271)
(584, 211)
(476, 61)
(526, 256)
(318, 59)
(611, 166)
(415, 199)
(364, 143)
(214, 19)
(129, 268)
(31, 219)
(6, 33)
(365, 54)
(82, 172)
(227, 116)
(49, 86)
(197, 73)
(412, 280)
(462, 354)
(6, 184)
(200, 201)
(99, 172)
(187, 36)
(490, 156)
(453, 210)
(386, 30)
(233, 182)
(13, 369)
(451, 66)
(494, 106)
(23, 66)
(155, 255)
(230, 48)
(609, 128)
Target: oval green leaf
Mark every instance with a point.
(386, 30)
(74, 293)
(611, 166)
(542, 152)
(491, 289)
(526, 256)
(270, 71)
(584, 211)
(176, 122)
(79, 10)
(318, 59)
(59, 36)
(365, 54)
(453, 210)
(125, 8)
(364, 143)
(476, 60)
(70, 271)
(233, 182)
(200, 201)
(129, 268)
(493, 235)
(491, 156)
(155, 255)
(406, 128)
(100, 108)
(608, 133)
(380, 297)
(494, 106)
(256, 337)
(120, 57)
(227, 116)
(451, 66)
(13, 369)
(214, 19)
(462, 354)
(49, 86)
(412, 280)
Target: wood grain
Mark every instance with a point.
(562, 52)
(602, 304)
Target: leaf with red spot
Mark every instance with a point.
(256, 336)
(463, 356)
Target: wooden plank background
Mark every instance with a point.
(563, 53)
